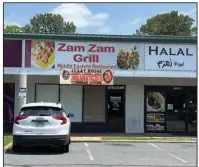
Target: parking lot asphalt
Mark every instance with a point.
(106, 155)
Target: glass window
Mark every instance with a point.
(155, 102)
(192, 101)
(40, 111)
(176, 122)
(176, 99)
(115, 105)
(155, 109)
(192, 122)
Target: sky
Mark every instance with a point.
(97, 18)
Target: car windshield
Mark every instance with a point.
(40, 111)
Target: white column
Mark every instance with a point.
(23, 53)
(134, 116)
(22, 86)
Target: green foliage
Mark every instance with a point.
(12, 29)
(47, 23)
(172, 23)
(194, 31)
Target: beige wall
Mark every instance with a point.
(94, 104)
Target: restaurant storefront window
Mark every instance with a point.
(192, 110)
(172, 109)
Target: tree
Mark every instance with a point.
(171, 23)
(194, 31)
(12, 29)
(47, 23)
(27, 29)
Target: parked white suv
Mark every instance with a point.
(42, 124)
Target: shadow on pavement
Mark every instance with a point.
(36, 151)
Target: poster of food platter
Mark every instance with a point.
(128, 58)
(155, 118)
(155, 102)
(86, 76)
(42, 54)
(155, 127)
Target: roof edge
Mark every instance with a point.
(103, 37)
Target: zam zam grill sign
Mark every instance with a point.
(170, 57)
(85, 55)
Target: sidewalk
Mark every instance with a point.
(121, 137)
(121, 134)
(133, 134)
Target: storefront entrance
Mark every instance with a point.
(171, 109)
(183, 116)
(115, 108)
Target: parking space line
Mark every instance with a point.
(155, 146)
(177, 157)
(89, 152)
(174, 156)
(90, 155)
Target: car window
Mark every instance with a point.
(41, 111)
(63, 109)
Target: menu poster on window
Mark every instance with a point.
(155, 118)
(155, 102)
(154, 127)
(115, 102)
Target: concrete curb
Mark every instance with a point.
(130, 141)
(8, 146)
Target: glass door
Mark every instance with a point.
(176, 110)
(191, 110)
(115, 109)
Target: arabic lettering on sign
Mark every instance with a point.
(169, 63)
(170, 57)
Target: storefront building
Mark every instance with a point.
(154, 88)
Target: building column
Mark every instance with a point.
(22, 86)
(22, 91)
